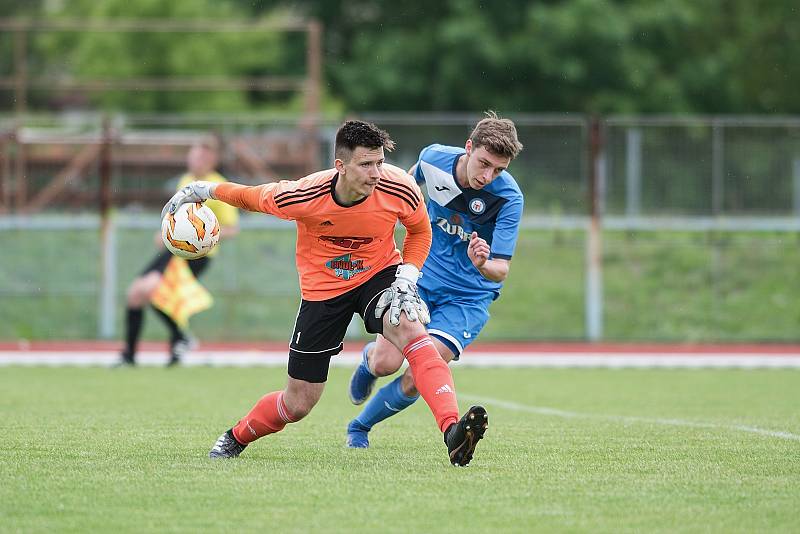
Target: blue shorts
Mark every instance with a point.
(456, 320)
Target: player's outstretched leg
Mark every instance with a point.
(462, 437)
(362, 381)
(388, 401)
(268, 416)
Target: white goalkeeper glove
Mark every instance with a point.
(402, 296)
(193, 192)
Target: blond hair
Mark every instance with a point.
(498, 136)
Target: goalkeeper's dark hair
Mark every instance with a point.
(354, 133)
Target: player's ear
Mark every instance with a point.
(339, 164)
(468, 146)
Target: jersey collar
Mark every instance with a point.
(336, 200)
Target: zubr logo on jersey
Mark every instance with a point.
(346, 268)
(452, 229)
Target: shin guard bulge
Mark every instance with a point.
(433, 380)
(268, 416)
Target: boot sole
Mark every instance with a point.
(475, 421)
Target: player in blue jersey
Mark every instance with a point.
(475, 207)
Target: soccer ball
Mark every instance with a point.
(191, 232)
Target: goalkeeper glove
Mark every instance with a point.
(193, 192)
(402, 296)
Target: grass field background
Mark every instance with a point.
(658, 286)
(92, 449)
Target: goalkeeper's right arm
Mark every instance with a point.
(247, 197)
(251, 198)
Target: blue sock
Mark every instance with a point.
(389, 400)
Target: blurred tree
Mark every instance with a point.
(567, 55)
(755, 66)
(120, 55)
(576, 55)
(605, 56)
(8, 9)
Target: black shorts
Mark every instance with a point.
(321, 325)
(160, 262)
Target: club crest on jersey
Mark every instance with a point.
(346, 268)
(477, 206)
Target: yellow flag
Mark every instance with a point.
(179, 294)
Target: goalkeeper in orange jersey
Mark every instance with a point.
(348, 263)
(201, 160)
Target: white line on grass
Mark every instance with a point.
(628, 419)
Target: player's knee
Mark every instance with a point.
(299, 408)
(407, 384)
(300, 398)
(298, 414)
(137, 295)
(384, 366)
(409, 330)
(143, 287)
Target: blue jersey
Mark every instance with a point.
(455, 212)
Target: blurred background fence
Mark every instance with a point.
(698, 221)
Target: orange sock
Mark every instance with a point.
(268, 416)
(433, 380)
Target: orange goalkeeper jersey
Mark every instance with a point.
(341, 247)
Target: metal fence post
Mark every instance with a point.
(717, 167)
(633, 172)
(796, 186)
(594, 243)
(108, 279)
(108, 251)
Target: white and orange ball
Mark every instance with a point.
(191, 232)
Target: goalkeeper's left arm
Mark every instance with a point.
(246, 197)
(417, 243)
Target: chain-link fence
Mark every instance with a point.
(703, 166)
(699, 230)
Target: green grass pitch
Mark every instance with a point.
(98, 450)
